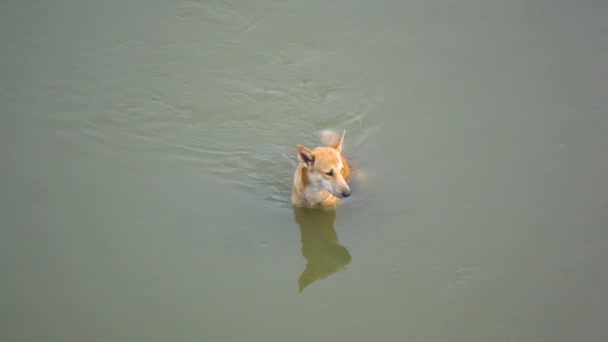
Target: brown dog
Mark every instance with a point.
(320, 179)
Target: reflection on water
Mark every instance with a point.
(320, 247)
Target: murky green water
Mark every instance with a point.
(147, 150)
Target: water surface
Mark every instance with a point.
(147, 153)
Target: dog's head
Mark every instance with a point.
(324, 167)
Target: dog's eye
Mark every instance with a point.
(330, 173)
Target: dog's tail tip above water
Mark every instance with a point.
(329, 138)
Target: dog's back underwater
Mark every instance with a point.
(320, 178)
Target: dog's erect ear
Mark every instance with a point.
(338, 143)
(305, 155)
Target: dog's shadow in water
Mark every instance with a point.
(320, 247)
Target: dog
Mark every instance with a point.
(321, 175)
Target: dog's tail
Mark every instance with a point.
(329, 138)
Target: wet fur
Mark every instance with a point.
(312, 186)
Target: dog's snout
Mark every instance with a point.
(345, 193)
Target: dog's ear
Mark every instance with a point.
(305, 156)
(338, 144)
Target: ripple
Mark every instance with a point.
(462, 277)
(235, 126)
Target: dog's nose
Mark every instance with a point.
(345, 193)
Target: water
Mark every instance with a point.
(147, 153)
